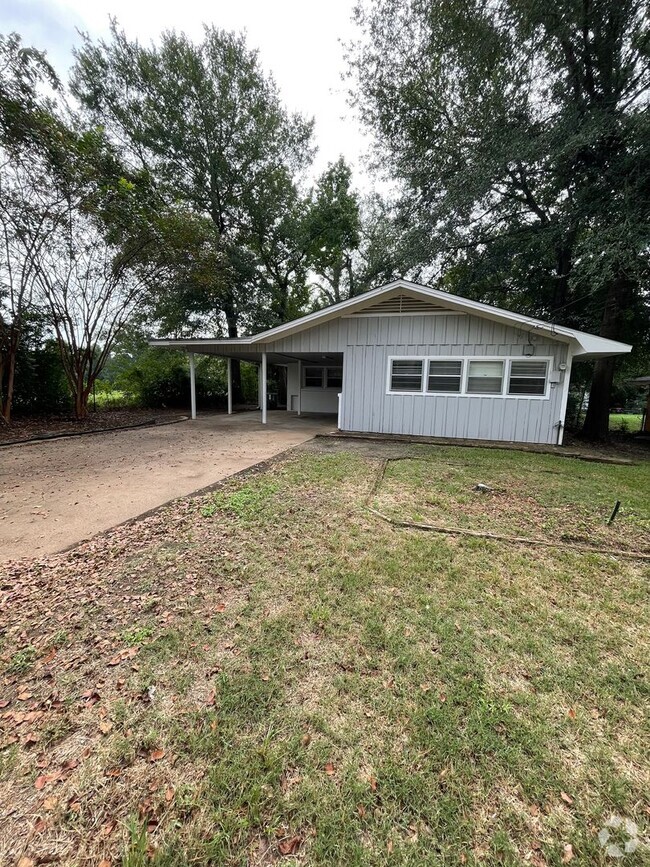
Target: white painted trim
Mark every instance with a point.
(362, 315)
(299, 386)
(229, 371)
(565, 396)
(465, 359)
(192, 385)
(264, 397)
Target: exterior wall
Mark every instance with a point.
(324, 400)
(369, 341)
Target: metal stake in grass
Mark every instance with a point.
(614, 513)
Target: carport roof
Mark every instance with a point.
(583, 344)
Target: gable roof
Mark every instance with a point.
(583, 344)
(587, 344)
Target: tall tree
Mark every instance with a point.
(520, 131)
(211, 129)
(29, 135)
(333, 227)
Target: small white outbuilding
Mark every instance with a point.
(408, 359)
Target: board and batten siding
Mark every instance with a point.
(369, 341)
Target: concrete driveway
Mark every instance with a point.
(56, 493)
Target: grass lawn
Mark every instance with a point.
(629, 422)
(273, 674)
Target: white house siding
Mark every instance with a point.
(368, 342)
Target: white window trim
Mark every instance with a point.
(465, 359)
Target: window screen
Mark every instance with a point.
(313, 377)
(406, 375)
(334, 377)
(527, 377)
(485, 377)
(445, 376)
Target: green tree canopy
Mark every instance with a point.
(520, 134)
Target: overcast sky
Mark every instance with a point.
(298, 42)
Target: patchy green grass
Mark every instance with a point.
(628, 422)
(321, 687)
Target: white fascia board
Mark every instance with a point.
(592, 346)
(182, 342)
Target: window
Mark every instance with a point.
(497, 377)
(445, 376)
(485, 377)
(322, 377)
(334, 377)
(314, 377)
(527, 377)
(406, 374)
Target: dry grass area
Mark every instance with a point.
(270, 673)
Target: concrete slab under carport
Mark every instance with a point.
(56, 493)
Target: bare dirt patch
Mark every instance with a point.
(55, 493)
(42, 426)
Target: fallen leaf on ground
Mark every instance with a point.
(169, 794)
(329, 769)
(566, 798)
(572, 713)
(156, 755)
(568, 853)
(105, 727)
(26, 862)
(288, 847)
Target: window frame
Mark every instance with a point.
(505, 367)
(461, 376)
(465, 360)
(532, 360)
(324, 377)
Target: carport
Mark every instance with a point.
(241, 350)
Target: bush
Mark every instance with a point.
(40, 385)
(160, 378)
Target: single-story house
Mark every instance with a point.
(408, 359)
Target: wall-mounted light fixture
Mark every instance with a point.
(561, 366)
(529, 350)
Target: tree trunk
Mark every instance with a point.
(596, 425)
(8, 369)
(80, 401)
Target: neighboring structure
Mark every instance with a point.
(407, 359)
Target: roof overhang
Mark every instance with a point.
(583, 345)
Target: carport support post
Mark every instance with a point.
(230, 386)
(192, 385)
(299, 385)
(264, 400)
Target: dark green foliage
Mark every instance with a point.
(519, 133)
(41, 385)
(208, 124)
(333, 226)
(160, 378)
